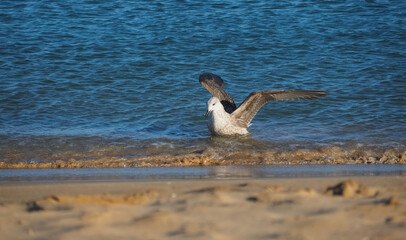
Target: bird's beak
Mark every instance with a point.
(207, 113)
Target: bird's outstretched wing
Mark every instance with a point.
(214, 84)
(244, 114)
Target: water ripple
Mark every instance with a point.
(123, 68)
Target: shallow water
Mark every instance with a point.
(196, 173)
(120, 79)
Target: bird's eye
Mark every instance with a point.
(213, 104)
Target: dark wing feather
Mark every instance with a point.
(251, 105)
(214, 84)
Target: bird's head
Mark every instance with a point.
(213, 104)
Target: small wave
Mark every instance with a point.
(96, 152)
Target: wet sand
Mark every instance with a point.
(295, 208)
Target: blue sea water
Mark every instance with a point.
(80, 75)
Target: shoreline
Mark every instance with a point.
(214, 157)
(295, 208)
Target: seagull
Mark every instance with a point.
(225, 119)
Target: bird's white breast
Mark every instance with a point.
(220, 124)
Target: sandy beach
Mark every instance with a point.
(299, 208)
